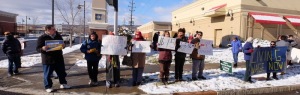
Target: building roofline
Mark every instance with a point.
(7, 13)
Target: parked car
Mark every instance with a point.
(67, 37)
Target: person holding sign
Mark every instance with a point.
(236, 48)
(164, 59)
(91, 49)
(197, 59)
(272, 45)
(138, 62)
(52, 60)
(282, 41)
(179, 57)
(248, 50)
(112, 69)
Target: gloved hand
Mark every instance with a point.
(250, 50)
(92, 50)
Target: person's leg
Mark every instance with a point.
(195, 68)
(167, 70)
(248, 71)
(17, 64)
(177, 68)
(181, 67)
(162, 72)
(95, 71)
(61, 72)
(140, 75)
(235, 58)
(10, 66)
(275, 75)
(134, 76)
(89, 69)
(48, 70)
(201, 68)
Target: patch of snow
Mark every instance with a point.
(217, 80)
(102, 62)
(30, 60)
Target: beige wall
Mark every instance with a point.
(99, 7)
(150, 28)
(218, 28)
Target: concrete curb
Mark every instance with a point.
(263, 90)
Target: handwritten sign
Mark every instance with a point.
(54, 45)
(114, 45)
(226, 66)
(166, 42)
(141, 46)
(205, 47)
(267, 59)
(186, 47)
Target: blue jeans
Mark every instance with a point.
(59, 69)
(13, 63)
(235, 57)
(198, 65)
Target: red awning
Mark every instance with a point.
(295, 20)
(267, 18)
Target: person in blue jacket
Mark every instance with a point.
(91, 49)
(248, 49)
(236, 48)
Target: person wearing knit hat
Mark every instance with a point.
(138, 61)
(11, 47)
(179, 57)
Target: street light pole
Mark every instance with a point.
(52, 12)
(84, 20)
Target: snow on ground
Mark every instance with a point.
(102, 62)
(30, 60)
(217, 80)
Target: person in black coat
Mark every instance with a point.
(12, 49)
(52, 60)
(179, 57)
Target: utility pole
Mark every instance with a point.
(131, 11)
(52, 12)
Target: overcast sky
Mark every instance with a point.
(145, 10)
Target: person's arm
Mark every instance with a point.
(40, 44)
(83, 47)
(247, 49)
(4, 47)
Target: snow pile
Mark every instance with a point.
(262, 43)
(216, 80)
(30, 60)
(224, 55)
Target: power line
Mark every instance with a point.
(131, 12)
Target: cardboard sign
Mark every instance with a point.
(205, 47)
(141, 46)
(54, 45)
(166, 42)
(267, 59)
(226, 66)
(114, 45)
(186, 47)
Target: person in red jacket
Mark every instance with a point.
(164, 59)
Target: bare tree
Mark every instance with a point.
(68, 11)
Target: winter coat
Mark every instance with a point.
(179, 54)
(246, 48)
(195, 54)
(138, 59)
(91, 44)
(236, 46)
(164, 54)
(50, 57)
(11, 46)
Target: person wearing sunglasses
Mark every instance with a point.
(272, 45)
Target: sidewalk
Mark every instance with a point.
(30, 81)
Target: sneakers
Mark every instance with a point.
(93, 83)
(9, 75)
(275, 78)
(65, 86)
(194, 78)
(49, 90)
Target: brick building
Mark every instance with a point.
(7, 22)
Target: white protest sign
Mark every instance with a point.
(186, 47)
(205, 47)
(141, 46)
(166, 42)
(114, 45)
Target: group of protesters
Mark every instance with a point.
(54, 61)
(248, 49)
